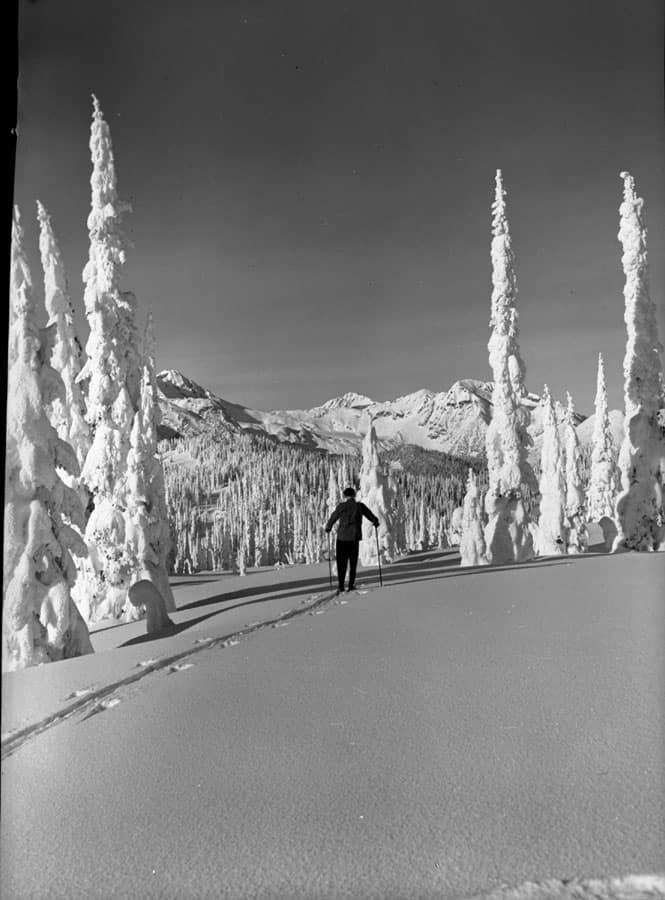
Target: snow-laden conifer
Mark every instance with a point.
(639, 510)
(508, 532)
(578, 537)
(473, 551)
(375, 494)
(68, 416)
(333, 492)
(40, 621)
(422, 540)
(552, 524)
(603, 477)
(344, 478)
(147, 527)
(113, 372)
(504, 340)
(398, 515)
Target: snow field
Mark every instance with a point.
(437, 738)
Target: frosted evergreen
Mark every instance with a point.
(113, 372)
(375, 494)
(333, 492)
(147, 517)
(639, 509)
(40, 621)
(603, 477)
(508, 532)
(473, 551)
(552, 536)
(578, 537)
(68, 416)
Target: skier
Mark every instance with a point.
(349, 534)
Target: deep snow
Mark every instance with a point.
(452, 732)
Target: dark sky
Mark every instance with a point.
(312, 180)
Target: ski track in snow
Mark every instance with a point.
(90, 701)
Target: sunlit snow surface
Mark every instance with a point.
(454, 734)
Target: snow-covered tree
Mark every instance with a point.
(508, 532)
(552, 524)
(113, 372)
(333, 492)
(40, 621)
(375, 494)
(639, 509)
(578, 537)
(473, 551)
(147, 525)
(455, 527)
(398, 515)
(603, 477)
(68, 416)
(422, 539)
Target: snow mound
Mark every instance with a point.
(631, 887)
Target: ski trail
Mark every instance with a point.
(91, 703)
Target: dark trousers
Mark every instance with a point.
(346, 552)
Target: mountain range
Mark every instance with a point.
(452, 421)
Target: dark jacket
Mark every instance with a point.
(350, 514)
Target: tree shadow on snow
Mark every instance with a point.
(172, 630)
(320, 583)
(407, 570)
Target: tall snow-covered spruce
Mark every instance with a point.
(375, 493)
(147, 527)
(114, 377)
(508, 532)
(553, 523)
(40, 621)
(603, 477)
(639, 510)
(68, 416)
(578, 538)
(473, 551)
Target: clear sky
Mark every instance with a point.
(312, 180)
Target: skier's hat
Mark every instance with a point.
(349, 492)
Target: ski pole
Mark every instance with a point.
(329, 562)
(378, 555)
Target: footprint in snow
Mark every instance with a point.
(280, 624)
(230, 643)
(180, 667)
(203, 640)
(80, 693)
(108, 703)
(145, 662)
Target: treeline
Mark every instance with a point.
(236, 501)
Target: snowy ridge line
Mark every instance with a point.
(628, 887)
(16, 740)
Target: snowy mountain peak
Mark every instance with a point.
(350, 400)
(468, 390)
(454, 421)
(174, 385)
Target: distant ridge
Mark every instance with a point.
(452, 421)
